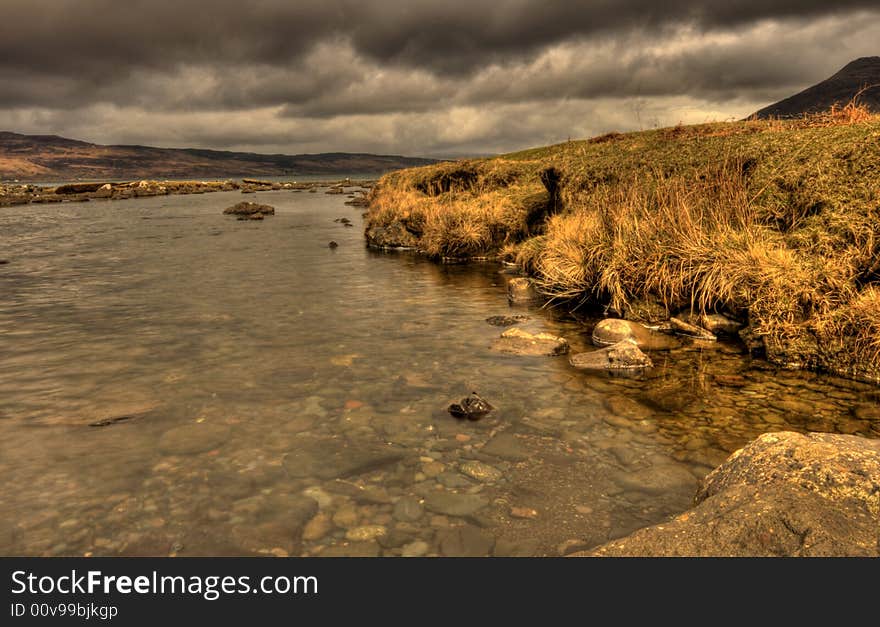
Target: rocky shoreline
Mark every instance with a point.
(27, 193)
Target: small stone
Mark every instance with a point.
(366, 532)
(408, 509)
(418, 548)
(433, 469)
(345, 517)
(323, 499)
(462, 437)
(318, 527)
(506, 321)
(523, 512)
(480, 471)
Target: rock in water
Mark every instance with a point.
(520, 342)
(332, 244)
(245, 208)
(506, 321)
(689, 330)
(784, 494)
(472, 407)
(720, 325)
(521, 290)
(613, 330)
(624, 355)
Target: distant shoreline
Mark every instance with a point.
(16, 194)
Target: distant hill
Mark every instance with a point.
(49, 157)
(839, 89)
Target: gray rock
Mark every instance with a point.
(506, 446)
(517, 341)
(452, 504)
(624, 355)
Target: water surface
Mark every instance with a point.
(262, 393)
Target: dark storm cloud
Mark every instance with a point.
(93, 36)
(389, 75)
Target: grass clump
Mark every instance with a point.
(774, 222)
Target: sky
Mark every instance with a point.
(415, 77)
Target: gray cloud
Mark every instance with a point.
(418, 77)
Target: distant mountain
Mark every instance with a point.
(839, 89)
(49, 157)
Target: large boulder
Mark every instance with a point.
(245, 208)
(624, 355)
(518, 341)
(614, 330)
(785, 494)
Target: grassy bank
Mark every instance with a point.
(776, 223)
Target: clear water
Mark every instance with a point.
(262, 393)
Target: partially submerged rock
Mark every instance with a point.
(720, 324)
(393, 235)
(784, 494)
(472, 407)
(246, 208)
(518, 341)
(506, 321)
(522, 290)
(680, 327)
(614, 330)
(625, 355)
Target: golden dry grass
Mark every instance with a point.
(776, 222)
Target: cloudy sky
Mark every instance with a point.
(416, 77)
